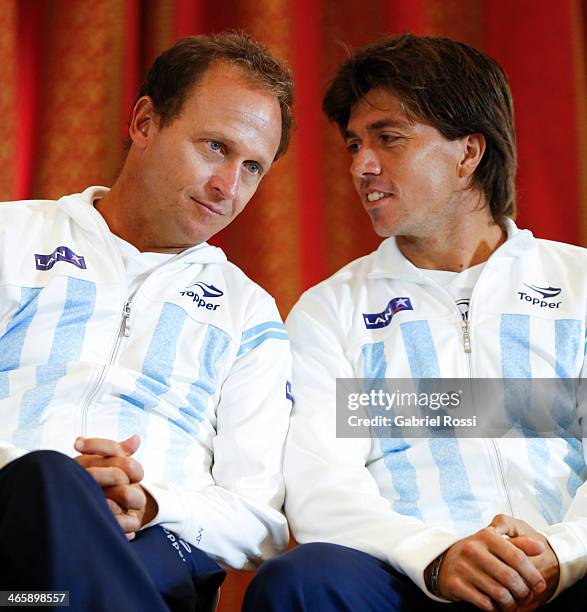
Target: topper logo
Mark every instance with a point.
(208, 291)
(547, 293)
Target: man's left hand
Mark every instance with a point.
(111, 465)
(546, 563)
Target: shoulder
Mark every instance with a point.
(240, 284)
(560, 259)
(561, 250)
(22, 209)
(339, 291)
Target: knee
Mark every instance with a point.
(40, 464)
(317, 573)
(303, 565)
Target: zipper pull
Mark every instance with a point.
(126, 320)
(466, 336)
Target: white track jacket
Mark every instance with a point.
(197, 364)
(405, 501)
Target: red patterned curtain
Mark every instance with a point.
(69, 71)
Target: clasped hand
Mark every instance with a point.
(506, 566)
(112, 466)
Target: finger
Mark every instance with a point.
(528, 545)
(114, 507)
(128, 497)
(99, 446)
(131, 536)
(465, 591)
(498, 593)
(108, 476)
(131, 467)
(481, 555)
(517, 563)
(131, 444)
(507, 525)
(128, 522)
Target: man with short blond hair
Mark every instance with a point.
(143, 377)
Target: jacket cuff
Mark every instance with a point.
(420, 552)
(10, 453)
(170, 508)
(571, 553)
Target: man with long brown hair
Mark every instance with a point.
(454, 291)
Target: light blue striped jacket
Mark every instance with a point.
(407, 500)
(196, 364)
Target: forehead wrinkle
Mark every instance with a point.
(245, 116)
(380, 124)
(386, 123)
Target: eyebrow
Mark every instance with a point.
(379, 125)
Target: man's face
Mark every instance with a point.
(199, 171)
(406, 172)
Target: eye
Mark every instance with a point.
(353, 147)
(253, 167)
(216, 146)
(389, 138)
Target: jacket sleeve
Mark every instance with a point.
(568, 538)
(9, 453)
(331, 495)
(237, 519)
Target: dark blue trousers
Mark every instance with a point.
(58, 534)
(324, 577)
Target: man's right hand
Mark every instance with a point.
(112, 467)
(488, 571)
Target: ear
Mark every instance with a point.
(473, 149)
(143, 122)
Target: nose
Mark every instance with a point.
(224, 181)
(365, 161)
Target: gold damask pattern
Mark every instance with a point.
(159, 23)
(80, 91)
(456, 19)
(265, 240)
(8, 106)
(348, 231)
(578, 32)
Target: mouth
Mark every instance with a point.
(372, 197)
(213, 209)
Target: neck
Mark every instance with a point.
(121, 207)
(463, 245)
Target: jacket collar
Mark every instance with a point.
(80, 207)
(389, 262)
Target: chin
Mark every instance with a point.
(385, 230)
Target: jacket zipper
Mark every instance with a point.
(124, 327)
(123, 332)
(502, 474)
(467, 349)
(466, 339)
